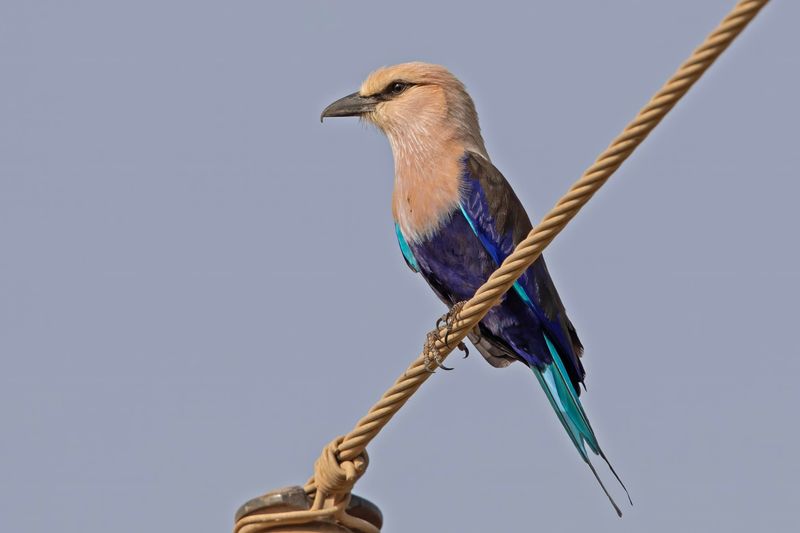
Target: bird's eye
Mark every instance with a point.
(397, 87)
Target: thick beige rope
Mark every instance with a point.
(490, 293)
(351, 447)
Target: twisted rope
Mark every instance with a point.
(527, 251)
(333, 475)
(353, 445)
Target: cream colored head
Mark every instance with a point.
(417, 105)
(430, 121)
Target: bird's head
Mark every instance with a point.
(414, 103)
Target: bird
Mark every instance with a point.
(456, 218)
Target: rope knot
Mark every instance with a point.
(333, 477)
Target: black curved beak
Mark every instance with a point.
(352, 105)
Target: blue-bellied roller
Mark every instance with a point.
(457, 218)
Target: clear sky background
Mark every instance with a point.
(200, 284)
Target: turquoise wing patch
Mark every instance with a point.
(408, 255)
(493, 252)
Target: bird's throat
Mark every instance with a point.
(427, 185)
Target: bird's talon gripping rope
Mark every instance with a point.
(432, 358)
(449, 320)
(430, 353)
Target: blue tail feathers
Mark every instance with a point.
(558, 388)
(553, 377)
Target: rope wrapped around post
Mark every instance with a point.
(336, 476)
(350, 449)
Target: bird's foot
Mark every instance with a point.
(449, 321)
(432, 357)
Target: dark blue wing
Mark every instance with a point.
(500, 222)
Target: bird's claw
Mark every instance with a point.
(432, 358)
(449, 320)
(463, 347)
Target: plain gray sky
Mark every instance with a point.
(200, 284)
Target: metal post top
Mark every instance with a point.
(295, 499)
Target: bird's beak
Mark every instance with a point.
(351, 105)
